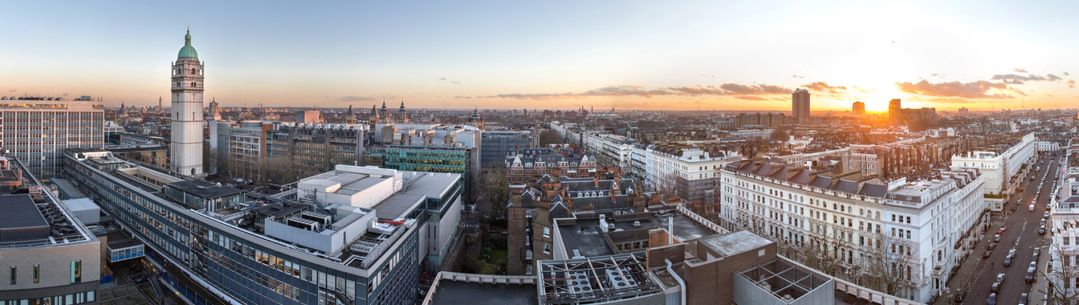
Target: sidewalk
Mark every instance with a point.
(970, 267)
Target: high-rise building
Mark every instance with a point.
(187, 88)
(895, 111)
(38, 129)
(858, 108)
(800, 105)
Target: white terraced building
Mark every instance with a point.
(999, 167)
(920, 227)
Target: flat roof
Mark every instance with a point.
(585, 237)
(458, 293)
(67, 188)
(20, 212)
(735, 243)
(205, 189)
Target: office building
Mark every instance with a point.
(314, 148)
(187, 112)
(911, 230)
(857, 108)
(800, 106)
(895, 111)
(496, 145)
(353, 235)
(47, 256)
(37, 130)
(309, 117)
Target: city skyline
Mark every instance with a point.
(683, 56)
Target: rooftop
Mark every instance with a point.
(735, 243)
(453, 292)
(205, 189)
(21, 219)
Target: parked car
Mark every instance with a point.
(1024, 298)
(959, 296)
(987, 254)
(1001, 230)
(1008, 260)
(998, 282)
(992, 299)
(991, 246)
(1029, 278)
(1037, 253)
(1030, 207)
(1041, 230)
(996, 238)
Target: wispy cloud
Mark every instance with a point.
(1017, 79)
(728, 89)
(824, 87)
(975, 89)
(1071, 83)
(1020, 70)
(357, 98)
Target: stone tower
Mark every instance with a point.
(187, 118)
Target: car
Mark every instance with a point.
(959, 296)
(1030, 207)
(1024, 298)
(1037, 253)
(987, 254)
(1008, 260)
(1041, 230)
(992, 299)
(1033, 264)
(999, 282)
(991, 246)
(1002, 229)
(1029, 278)
(996, 238)
(1046, 215)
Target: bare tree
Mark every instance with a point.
(887, 265)
(1057, 277)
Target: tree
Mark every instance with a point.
(1059, 278)
(548, 136)
(780, 135)
(277, 170)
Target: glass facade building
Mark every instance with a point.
(38, 131)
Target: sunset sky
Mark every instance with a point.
(675, 55)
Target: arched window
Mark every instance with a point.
(193, 71)
(193, 85)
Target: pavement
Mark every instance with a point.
(976, 275)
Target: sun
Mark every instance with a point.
(876, 98)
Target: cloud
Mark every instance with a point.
(824, 87)
(12, 90)
(797, 76)
(356, 98)
(1020, 70)
(750, 98)
(976, 89)
(727, 89)
(740, 89)
(1071, 83)
(1017, 79)
(1066, 74)
(443, 78)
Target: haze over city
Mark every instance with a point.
(708, 55)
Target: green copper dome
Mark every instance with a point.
(188, 51)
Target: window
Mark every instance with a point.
(76, 271)
(37, 273)
(546, 232)
(14, 272)
(1067, 240)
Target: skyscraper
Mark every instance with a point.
(895, 111)
(187, 118)
(858, 108)
(800, 105)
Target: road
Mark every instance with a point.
(1020, 234)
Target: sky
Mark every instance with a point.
(652, 55)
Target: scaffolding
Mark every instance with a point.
(595, 279)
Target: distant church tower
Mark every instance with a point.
(187, 118)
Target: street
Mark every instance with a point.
(978, 273)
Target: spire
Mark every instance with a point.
(402, 105)
(187, 38)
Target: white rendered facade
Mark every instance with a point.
(187, 116)
(916, 226)
(1064, 206)
(692, 174)
(999, 167)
